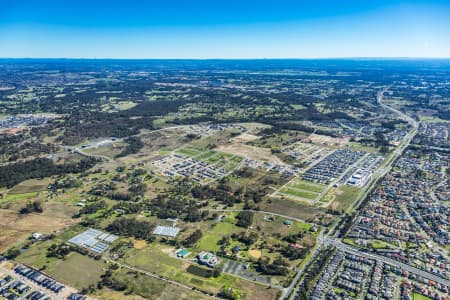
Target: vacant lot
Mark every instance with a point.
(291, 208)
(251, 152)
(298, 193)
(29, 186)
(77, 270)
(325, 140)
(343, 197)
(10, 236)
(244, 138)
(15, 227)
(307, 185)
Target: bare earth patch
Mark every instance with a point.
(139, 244)
(255, 253)
(244, 138)
(328, 140)
(251, 152)
(15, 227)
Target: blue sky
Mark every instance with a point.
(224, 29)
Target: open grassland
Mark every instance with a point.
(10, 236)
(251, 152)
(30, 186)
(301, 190)
(275, 225)
(295, 209)
(110, 150)
(16, 227)
(189, 151)
(298, 183)
(77, 270)
(211, 157)
(297, 193)
(342, 197)
(210, 240)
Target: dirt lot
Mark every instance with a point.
(9, 237)
(32, 185)
(15, 227)
(255, 253)
(244, 138)
(252, 152)
(155, 142)
(139, 244)
(324, 140)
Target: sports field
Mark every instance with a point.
(302, 190)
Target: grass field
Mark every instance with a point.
(211, 238)
(77, 270)
(30, 186)
(307, 185)
(291, 208)
(189, 151)
(343, 196)
(211, 157)
(299, 193)
(417, 296)
(301, 190)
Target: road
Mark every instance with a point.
(289, 292)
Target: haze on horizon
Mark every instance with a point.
(235, 29)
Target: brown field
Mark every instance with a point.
(9, 237)
(255, 253)
(33, 185)
(252, 152)
(324, 140)
(256, 292)
(15, 227)
(290, 208)
(139, 244)
(244, 138)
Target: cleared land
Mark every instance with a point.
(342, 197)
(251, 152)
(29, 186)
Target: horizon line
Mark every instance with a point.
(238, 58)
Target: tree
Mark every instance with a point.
(193, 238)
(30, 207)
(245, 219)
